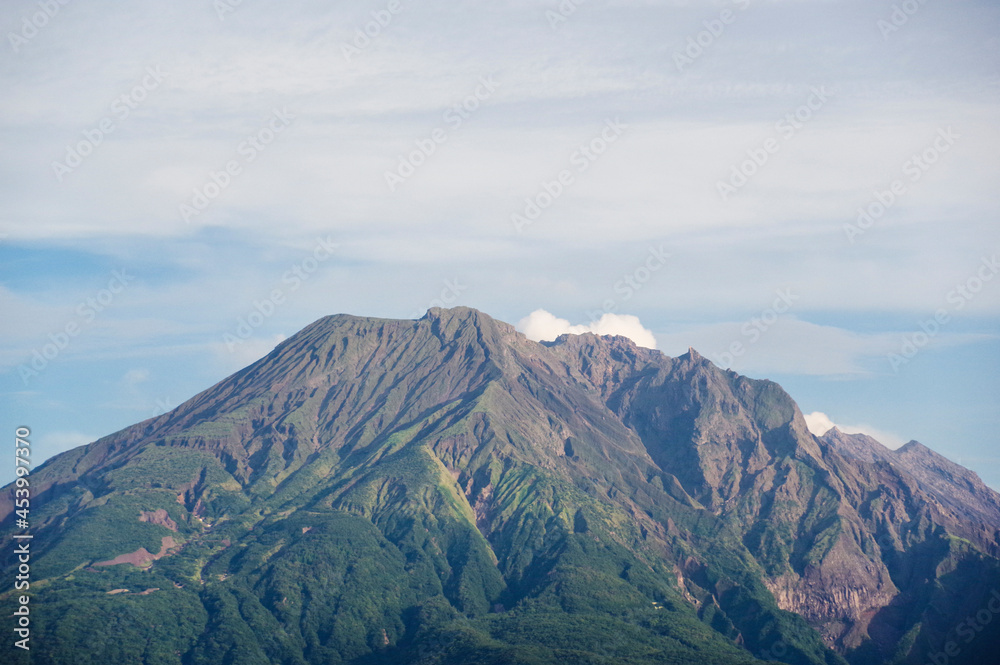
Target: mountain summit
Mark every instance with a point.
(445, 490)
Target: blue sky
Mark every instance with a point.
(183, 186)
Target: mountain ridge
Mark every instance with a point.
(512, 485)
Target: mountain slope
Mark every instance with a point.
(445, 490)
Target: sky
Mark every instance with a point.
(801, 190)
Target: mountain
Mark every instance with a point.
(446, 491)
(957, 491)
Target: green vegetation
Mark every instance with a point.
(105, 530)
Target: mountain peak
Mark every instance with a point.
(448, 317)
(917, 451)
(914, 446)
(959, 490)
(693, 355)
(589, 339)
(460, 312)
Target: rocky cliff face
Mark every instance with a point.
(445, 490)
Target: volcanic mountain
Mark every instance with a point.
(447, 491)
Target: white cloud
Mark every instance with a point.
(355, 117)
(542, 326)
(819, 424)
